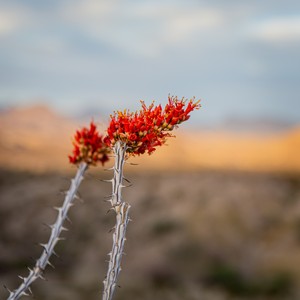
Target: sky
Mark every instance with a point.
(241, 58)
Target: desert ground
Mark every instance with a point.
(195, 235)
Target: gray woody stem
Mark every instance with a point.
(121, 208)
(56, 230)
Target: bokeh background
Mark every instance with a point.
(216, 214)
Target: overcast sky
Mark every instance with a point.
(242, 58)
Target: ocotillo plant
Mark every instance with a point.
(89, 149)
(131, 134)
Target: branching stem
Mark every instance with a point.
(56, 229)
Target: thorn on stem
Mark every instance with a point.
(55, 254)
(78, 196)
(112, 229)
(50, 264)
(127, 180)
(111, 209)
(107, 200)
(69, 220)
(126, 186)
(42, 277)
(81, 200)
(109, 169)
(57, 208)
(47, 225)
(62, 192)
(7, 288)
(30, 291)
(44, 246)
(106, 180)
(64, 228)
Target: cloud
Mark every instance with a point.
(89, 10)
(182, 26)
(128, 49)
(278, 30)
(11, 20)
(143, 28)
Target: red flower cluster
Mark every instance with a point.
(89, 147)
(148, 128)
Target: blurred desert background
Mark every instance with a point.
(216, 213)
(38, 139)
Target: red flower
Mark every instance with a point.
(89, 147)
(148, 128)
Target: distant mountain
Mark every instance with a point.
(34, 138)
(39, 139)
(37, 115)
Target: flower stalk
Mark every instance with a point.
(114, 266)
(121, 209)
(89, 149)
(133, 134)
(56, 230)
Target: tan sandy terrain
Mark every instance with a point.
(224, 150)
(38, 139)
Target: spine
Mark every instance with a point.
(56, 230)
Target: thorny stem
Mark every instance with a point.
(56, 230)
(121, 208)
(117, 181)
